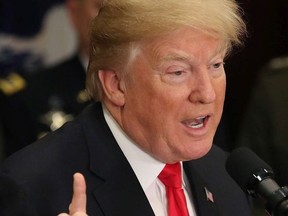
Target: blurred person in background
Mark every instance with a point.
(265, 126)
(57, 94)
(31, 37)
(54, 95)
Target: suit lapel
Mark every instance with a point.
(201, 192)
(121, 194)
(117, 190)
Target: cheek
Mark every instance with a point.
(143, 94)
(220, 89)
(220, 99)
(152, 109)
(223, 91)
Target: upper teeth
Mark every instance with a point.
(196, 123)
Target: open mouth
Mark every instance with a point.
(196, 123)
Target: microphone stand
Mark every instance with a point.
(275, 197)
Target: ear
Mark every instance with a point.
(111, 86)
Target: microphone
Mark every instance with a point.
(256, 178)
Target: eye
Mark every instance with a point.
(218, 65)
(216, 69)
(175, 72)
(176, 76)
(178, 73)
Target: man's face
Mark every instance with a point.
(174, 95)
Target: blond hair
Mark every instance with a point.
(122, 22)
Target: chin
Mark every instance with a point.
(197, 153)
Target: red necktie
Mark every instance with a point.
(172, 179)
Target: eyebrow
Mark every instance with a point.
(186, 58)
(176, 57)
(180, 57)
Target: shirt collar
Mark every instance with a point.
(144, 166)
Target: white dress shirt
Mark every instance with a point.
(147, 170)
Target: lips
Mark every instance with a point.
(196, 123)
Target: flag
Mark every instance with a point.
(209, 195)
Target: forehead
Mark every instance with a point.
(183, 43)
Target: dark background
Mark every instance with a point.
(267, 24)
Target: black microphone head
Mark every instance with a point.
(247, 169)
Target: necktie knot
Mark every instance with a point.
(171, 175)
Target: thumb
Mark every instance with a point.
(78, 203)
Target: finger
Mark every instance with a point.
(63, 214)
(78, 203)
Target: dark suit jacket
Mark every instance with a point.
(43, 171)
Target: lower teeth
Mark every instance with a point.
(197, 126)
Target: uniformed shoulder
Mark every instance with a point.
(59, 71)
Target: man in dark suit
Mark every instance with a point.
(157, 69)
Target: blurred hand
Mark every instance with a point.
(78, 204)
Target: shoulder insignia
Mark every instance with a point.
(12, 84)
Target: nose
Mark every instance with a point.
(203, 89)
